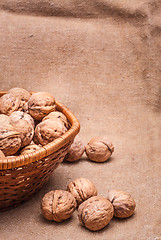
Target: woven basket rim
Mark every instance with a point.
(44, 151)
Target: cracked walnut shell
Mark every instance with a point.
(99, 149)
(10, 140)
(82, 189)
(124, 204)
(41, 104)
(48, 130)
(58, 205)
(95, 213)
(9, 103)
(75, 151)
(23, 95)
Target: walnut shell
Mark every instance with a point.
(58, 115)
(23, 95)
(24, 127)
(95, 213)
(10, 140)
(47, 131)
(41, 104)
(124, 204)
(4, 119)
(9, 103)
(99, 149)
(82, 189)
(30, 148)
(58, 205)
(75, 151)
(2, 156)
(18, 115)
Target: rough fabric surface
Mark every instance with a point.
(101, 58)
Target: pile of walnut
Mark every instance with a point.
(94, 212)
(28, 122)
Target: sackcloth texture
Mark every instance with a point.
(102, 59)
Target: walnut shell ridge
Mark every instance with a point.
(123, 202)
(23, 126)
(23, 95)
(9, 103)
(95, 213)
(56, 115)
(47, 131)
(58, 205)
(18, 115)
(82, 189)
(41, 104)
(99, 149)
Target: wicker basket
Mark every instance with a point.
(23, 175)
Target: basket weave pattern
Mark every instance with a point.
(22, 176)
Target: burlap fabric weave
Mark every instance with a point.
(101, 58)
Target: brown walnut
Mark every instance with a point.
(99, 149)
(23, 126)
(75, 151)
(41, 104)
(10, 140)
(30, 148)
(18, 115)
(47, 131)
(23, 95)
(124, 204)
(95, 213)
(82, 189)
(58, 115)
(9, 103)
(58, 205)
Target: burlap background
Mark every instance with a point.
(101, 58)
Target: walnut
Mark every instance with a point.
(1, 155)
(23, 126)
(124, 204)
(23, 95)
(75, 151)
(10, 140)
(9, 103)
(99, 149)
(4, 119)
(95, 213)
(30, 148)
(47, 131)
(18, 115)
(58, 205)
(58, 115)
(82, 189)
(41, 104)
